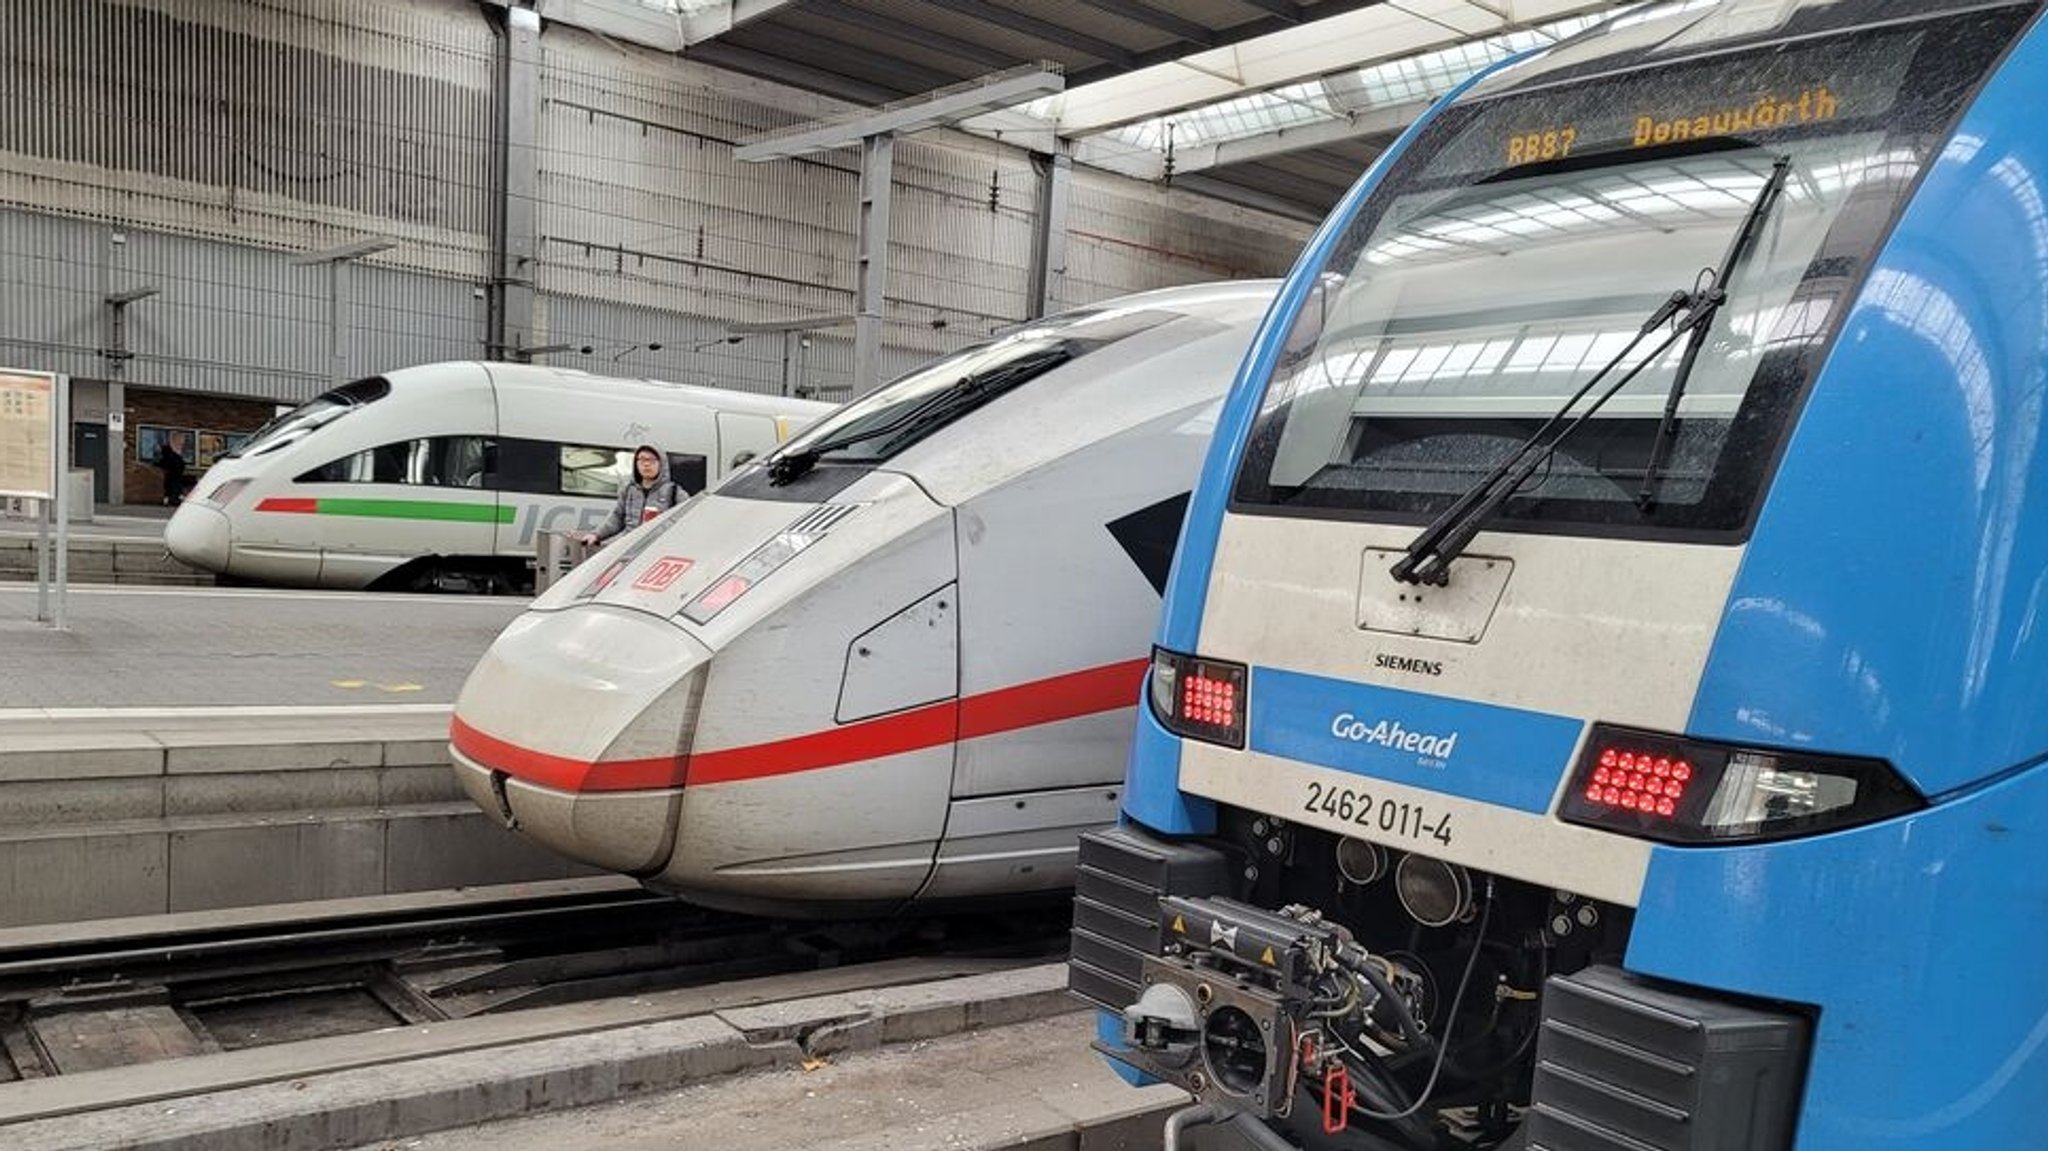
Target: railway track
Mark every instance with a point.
(79, 1005)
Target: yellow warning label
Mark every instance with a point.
(1180, 926)
(1268, 959)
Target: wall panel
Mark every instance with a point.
(196, 146)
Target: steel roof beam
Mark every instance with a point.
(641, 24)
(1379, 122)
(1040, 30)
(1287, 10)
(944, 106)
(1177, 27)
(1351, 40)
(1220, 38)
(711, 23)
(791, 73)
(978, 54)
(879, 67)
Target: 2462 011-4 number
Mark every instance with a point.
(1388, 816)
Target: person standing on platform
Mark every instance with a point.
(172, 461)
(647, 493)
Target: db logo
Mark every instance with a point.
(663, 572)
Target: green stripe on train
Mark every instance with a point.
(417, 510)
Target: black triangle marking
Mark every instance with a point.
(1148, 536)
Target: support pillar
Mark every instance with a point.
(515, 185)
(117, 443)
(871, 260)
(337, 323)
(1049, 240)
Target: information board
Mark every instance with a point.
(28, 432)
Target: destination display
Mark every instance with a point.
(1744, 99)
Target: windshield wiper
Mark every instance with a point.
(1428, 559)
(791, 466)
(1667, 427)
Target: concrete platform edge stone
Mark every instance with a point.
(401, 1099)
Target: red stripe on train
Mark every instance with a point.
(1006, 709)
(561, 772)
(304, 507)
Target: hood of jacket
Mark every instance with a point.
(660, 477)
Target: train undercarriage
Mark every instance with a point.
(1326, 992)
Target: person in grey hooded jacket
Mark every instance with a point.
(646, 495)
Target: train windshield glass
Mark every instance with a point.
(315, 413)
(892, 418)
(1529, 236)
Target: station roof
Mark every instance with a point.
(1278, 104)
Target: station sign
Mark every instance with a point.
(28, 434)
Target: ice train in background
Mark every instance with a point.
(1599, 700)
(439, 476)
(897, 660)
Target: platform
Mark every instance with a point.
(123, 546)
(1035, 1086)
(177, 647)
(189, 750)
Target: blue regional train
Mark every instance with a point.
(1602, 696)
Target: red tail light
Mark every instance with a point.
(1679, 790)
(1199, 698)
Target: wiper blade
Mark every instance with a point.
(791, 466)
(787, 468)
(1428, 558)
(1667, 427)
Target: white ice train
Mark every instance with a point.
(898, 659)
(439, 476)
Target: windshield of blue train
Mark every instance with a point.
(1527, 238)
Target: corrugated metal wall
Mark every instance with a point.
(216, 141)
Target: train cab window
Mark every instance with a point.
(316, 413)
(378, 465)
(458, 461)
(435, 461)
(1537, 228)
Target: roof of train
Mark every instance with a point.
(544, 376)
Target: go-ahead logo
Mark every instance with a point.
(1392, 736)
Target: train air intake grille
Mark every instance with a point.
(823, 518)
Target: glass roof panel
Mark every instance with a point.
(1390, 83)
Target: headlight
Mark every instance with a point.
(748, 572)
(224, 492)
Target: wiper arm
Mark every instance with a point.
(1428, 558)
(791, 466)
(1717, 290)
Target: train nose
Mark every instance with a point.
(198, 536)
(575, 728)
